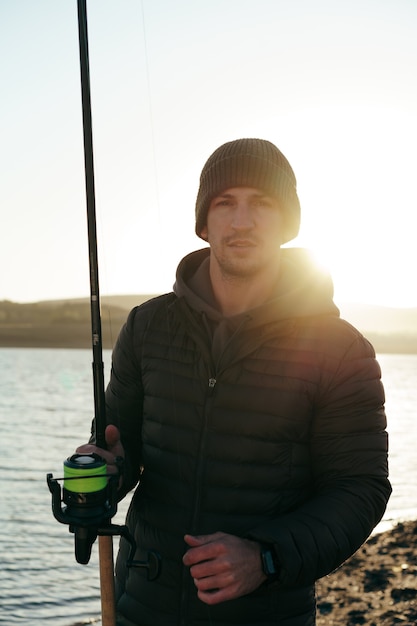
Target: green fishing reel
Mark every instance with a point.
(85, 486)
(90, 498)
(89, 495)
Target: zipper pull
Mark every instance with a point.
(212, 382)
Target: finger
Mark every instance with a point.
(112, 435)
(203, 548)
(108, 456)
(203, 570)
(217, 578)
(201, 540)
(195, 541)
(198, 554)
(215, 596)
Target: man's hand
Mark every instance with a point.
(114, 449)
(224, 567)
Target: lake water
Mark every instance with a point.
(46, 405)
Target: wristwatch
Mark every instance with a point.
(270, 566)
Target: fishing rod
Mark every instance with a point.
(106, 563)
(89, 492)
(97, 344)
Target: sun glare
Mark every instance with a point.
(355, 217)
(366, 276)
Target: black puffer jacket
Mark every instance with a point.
(269, 426)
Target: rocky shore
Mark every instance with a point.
(377, 586)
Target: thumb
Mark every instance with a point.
(195, 540)
(112, 435)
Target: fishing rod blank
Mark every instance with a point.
(97, 344)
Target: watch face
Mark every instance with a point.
(268, 564)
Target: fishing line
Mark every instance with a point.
(151, 119)
(89, 497)
(106, 309)
(152, 132)
(179, 457)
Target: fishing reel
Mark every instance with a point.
(89, 494)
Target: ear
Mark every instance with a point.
(203, 233)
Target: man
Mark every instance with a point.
(250, 413)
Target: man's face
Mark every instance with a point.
(244, 229)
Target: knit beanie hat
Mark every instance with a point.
(250, 163)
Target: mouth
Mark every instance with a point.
(241, 243)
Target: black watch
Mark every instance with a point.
(269, 560)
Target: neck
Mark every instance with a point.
(235, 295)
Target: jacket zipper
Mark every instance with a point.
(185, 578)
(200, 466)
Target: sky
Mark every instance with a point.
(333, 83)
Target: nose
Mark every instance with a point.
(242, 216)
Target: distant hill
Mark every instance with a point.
(379, 319)
(62, 323)
(389, 329)
(66, 323)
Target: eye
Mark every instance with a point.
(263, 202)
(221, 202)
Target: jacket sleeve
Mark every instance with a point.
(124, 401)
(348, 451)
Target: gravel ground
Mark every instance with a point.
(377, 586)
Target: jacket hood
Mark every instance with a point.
(303, 289)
